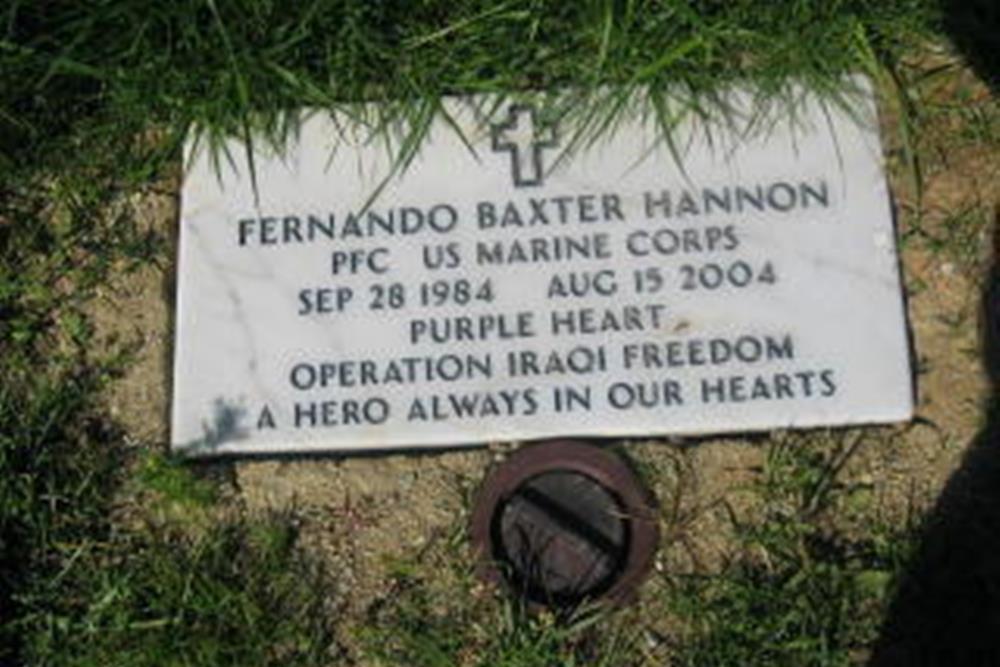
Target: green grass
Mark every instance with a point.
(810, 579)
(437, 614)
(515, 638)
(237, 595)
(117, 68)
(80, 588)
(95, 100)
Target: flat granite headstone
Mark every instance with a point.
(509, 282)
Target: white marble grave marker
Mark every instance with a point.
(501, 288)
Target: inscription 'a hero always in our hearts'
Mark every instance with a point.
(509, 291)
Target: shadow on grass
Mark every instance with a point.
(947, 608)
(974, 27)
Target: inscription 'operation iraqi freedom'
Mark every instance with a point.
(507, 285)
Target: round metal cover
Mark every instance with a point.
(563, 522)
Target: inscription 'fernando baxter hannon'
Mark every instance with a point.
(778, 197)
(489, 294)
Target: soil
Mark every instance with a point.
(363, 513)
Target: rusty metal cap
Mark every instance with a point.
(562, 522)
